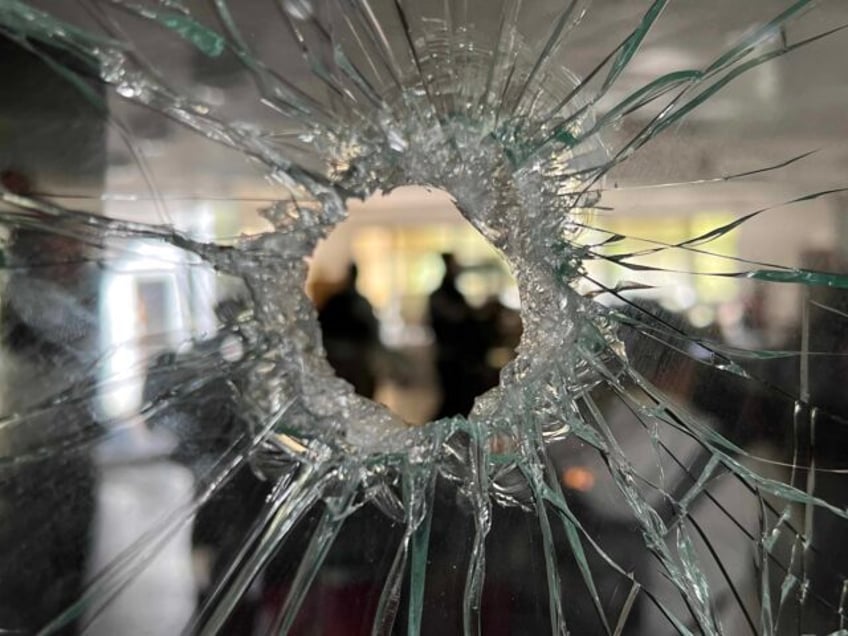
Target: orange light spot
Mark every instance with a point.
(578, 478)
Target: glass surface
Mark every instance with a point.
(665, 181)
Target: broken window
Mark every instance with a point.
(663, 454)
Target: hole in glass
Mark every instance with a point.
(417, 310)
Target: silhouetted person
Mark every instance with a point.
(351, 336)
(461, 344)
(814, 428)
(207, 422)
(53, 140)
(49, 340)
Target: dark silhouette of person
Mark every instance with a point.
(461, 344)
(48, 333)
(54, 140)
(812, 428)
(207, 424)
(351, 336)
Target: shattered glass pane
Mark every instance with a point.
(662, 456)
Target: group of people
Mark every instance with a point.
(464, 337)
